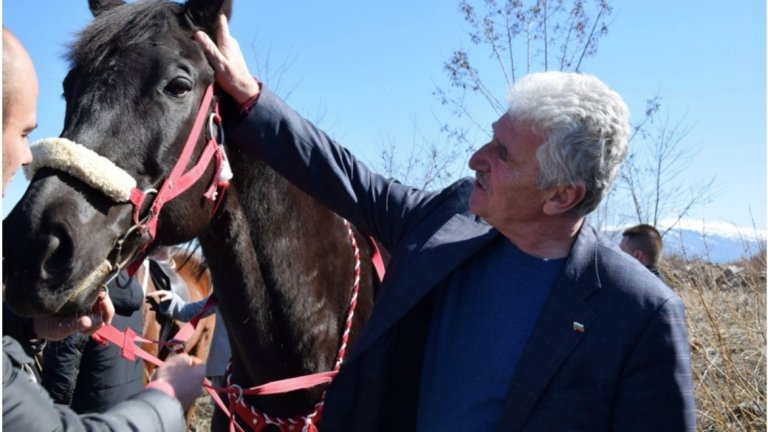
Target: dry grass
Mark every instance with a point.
(203, 414)
(726, 313)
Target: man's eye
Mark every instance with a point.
(501, 151)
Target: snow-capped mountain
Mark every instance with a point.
(714, 241)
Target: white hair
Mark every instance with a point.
(584, 125)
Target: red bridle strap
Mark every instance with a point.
(180, 180)
(186, 331)
(127, 341)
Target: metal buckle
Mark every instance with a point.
(215, 131)
(177, 346)
(239, 389)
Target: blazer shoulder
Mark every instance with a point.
(623, 276)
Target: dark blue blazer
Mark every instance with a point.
(609, 351)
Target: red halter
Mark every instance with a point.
(179, 180)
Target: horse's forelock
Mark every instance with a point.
(116, 29)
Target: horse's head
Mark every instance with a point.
(133, 93)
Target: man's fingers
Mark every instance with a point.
(161, 296)
(209, 48)
(105, 308)
(222, 31)
(88, 324)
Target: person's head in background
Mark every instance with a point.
(644, 243)
(20, 90)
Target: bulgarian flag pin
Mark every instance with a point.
(578, 327)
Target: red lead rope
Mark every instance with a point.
(256, 419)
(127, 341)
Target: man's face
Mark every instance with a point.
(506, 194)
(21, 119)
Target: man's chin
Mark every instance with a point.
(476, 202)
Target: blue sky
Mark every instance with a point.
(366, 72)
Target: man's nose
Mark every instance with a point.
(26, 156)
(477, 161)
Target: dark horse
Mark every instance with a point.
(281, 263)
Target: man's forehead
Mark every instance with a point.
(505, 122)
(500, 122)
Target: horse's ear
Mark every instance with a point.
(99, 6)
(205, 13)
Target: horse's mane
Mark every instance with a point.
(118, 28)
(190, 252)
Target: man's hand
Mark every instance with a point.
(156, 298)
(56, 328)
(160, 296)
(181, 377)
(104, 308)
(228, 63)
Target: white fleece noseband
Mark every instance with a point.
(95, 170)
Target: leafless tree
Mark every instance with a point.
(652, 177)
(522, 36)
(543, 35)
(273, 72)
(426, 165)
(509, 39)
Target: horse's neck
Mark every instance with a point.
(283, 267)
(263, 249)
(236, 276)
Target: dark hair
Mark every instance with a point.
(646, 238)
(110, 34)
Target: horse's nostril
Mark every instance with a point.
(58, 253)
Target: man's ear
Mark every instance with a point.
(639, 255)
(205, 13)
(563, 198)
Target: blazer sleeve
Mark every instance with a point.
(191, 309)
(328, 172)
(656, 390)
(27, 406)
(180, 310)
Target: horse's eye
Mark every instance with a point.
(178, 87)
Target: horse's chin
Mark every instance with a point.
(77, 298)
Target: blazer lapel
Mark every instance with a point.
(419, 273)
(564, 321)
